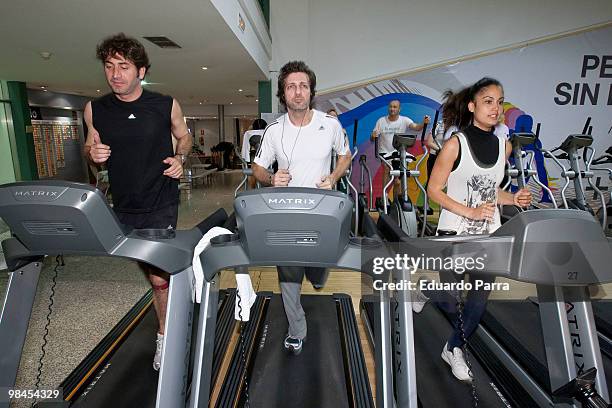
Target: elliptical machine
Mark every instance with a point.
(523, 170)
(571, 147)
(402, 210)
(606, 158)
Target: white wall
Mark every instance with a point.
(349, 41)
(211, 133)
(207, 115)
(212, 110)
(255, 38)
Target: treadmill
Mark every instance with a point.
(56, 217)
(430, 328)
(523, 249)
(295, 227)
(520, 342)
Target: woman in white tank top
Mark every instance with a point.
(465, 181)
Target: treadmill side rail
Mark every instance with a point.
(204, 348)
(173, 374)
(383, 354)
(14, 321)
(403, 333)
(557, 339)
(587, 353)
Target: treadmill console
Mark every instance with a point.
(50, 217)
(293, 224)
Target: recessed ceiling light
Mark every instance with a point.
(256, 100)
(204, 68)
(200, 102)
(45, 90)
(42, 87)
(231, 103)
(97, 90)
(239, 90)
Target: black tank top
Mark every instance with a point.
(139, 136)
(484, 146)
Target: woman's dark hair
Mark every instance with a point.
(128, 47)
(455, 106)
(290, 68)
(259, 124)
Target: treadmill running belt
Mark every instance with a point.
(129, 385)
(526, 331)
(315, 377)
(602, 309)
(436, 385)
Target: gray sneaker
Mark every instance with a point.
(294, 345)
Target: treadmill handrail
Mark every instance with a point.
(215, 258)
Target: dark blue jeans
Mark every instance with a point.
(474, 305)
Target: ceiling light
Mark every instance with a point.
(46, 55)
(42, 87)
(45, 90)
(97, 90)
(239, 90)
(256, 100)
(231, 103)
(204, 68)
(200, 102)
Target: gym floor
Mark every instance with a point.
(93, 293)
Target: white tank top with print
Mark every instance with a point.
(472, 185)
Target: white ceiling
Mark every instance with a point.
(71, 29)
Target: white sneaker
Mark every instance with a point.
(457, 363)
(419, 300)
(159, 345)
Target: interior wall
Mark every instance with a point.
(348, 42)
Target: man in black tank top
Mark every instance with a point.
(129, 129)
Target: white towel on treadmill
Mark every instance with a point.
(243, 281)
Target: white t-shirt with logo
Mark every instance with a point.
(305, 151)
(387, 129)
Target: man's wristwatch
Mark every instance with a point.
(181, 157)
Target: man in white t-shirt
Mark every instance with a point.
(301, 141)
(386, 127)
